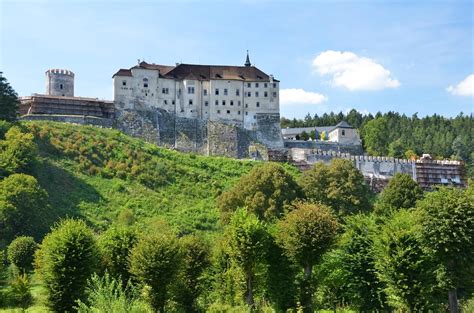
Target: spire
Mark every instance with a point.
(247, 61)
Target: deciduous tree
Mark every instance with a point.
(21, 252)
(8, 100)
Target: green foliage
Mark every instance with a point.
(154, 262)
(17, 152)
(375, 138)
(191, 281)
(447, 231)
(339, 185)
(247, 242)
(8, 100)
(396, 149)
(21, 252)
(23, 207)
(305, 234)
(402, 192)
(18, 292)
(266, 191)
(115, 246)
(66, 259)
(107, 294)
(348, 273)
(304, 136)
(4, 127)
(403, 266)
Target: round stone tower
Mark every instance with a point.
(59, 82)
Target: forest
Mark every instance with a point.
(92, 220)
(400, 136)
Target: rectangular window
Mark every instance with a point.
(217, 102)
(274, 85)
(218, 111)
(190, 102)
(225, 91)
(173, 102)
(190, 90)
(256, 94)
(223, 102)
(249, 94)
(249, 85)
(145, 85)
(254, 117)
(246, 113)
(228, 111)
(343, 132)
(265, 85)
(265, 94)
(165, 90)
(166, 101)
(205, 92)
(217, 91)
(231, 102)
(246, 105)
(258, 104)
(238, 112)
(256, 85)
(237, 92)
(274, 94)
(124, 83)
(206, 103)
(238, 103)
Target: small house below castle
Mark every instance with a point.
(342, 133)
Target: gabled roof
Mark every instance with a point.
(202, 72)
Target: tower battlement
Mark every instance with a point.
(59, 82)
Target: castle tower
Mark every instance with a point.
(59, 82)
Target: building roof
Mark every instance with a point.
(319, 129)
(203, 72)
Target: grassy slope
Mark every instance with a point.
(96, 173)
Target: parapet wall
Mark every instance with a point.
(379, 170)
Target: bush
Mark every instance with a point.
(17, 152)
(18, 292)
(154, 262)
(66, 259)
(21, 252)
(23, 207)
(106, 294)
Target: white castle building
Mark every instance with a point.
(232, 94)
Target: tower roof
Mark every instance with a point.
(247, 61)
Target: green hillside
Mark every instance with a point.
(98, 173)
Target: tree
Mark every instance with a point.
(17, 152)
(401, 192)
(154, 262)
(323, 135)
(21, 252)
(8, 101)
(266, 190)
(406, 270)
(195, 254)
(23, 207)
(247, 242)
(447, 231)
(66, 259)
(115, 246)
(305, 234)
(410, 154)
(304, 136)
(396, 149)
(339, 185)
(375, 136)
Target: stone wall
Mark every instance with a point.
(354, 149)
(73, 119)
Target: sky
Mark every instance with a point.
(405, 56)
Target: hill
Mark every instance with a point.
(97, 173)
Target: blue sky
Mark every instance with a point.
(405, 56)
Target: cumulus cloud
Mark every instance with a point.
(353, 72)
(300, 96)
(464, 88)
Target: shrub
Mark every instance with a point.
(66, 259)
(106, 294)
(18, 292)
(154, 262)
(17, 152)
(21, 252)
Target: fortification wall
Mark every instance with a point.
(72, 119)
(354, 149)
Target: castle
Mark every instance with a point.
(229, 111)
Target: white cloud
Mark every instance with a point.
(350, 71)
(300, 96)
(464, 88)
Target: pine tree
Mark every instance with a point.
(8, 100)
